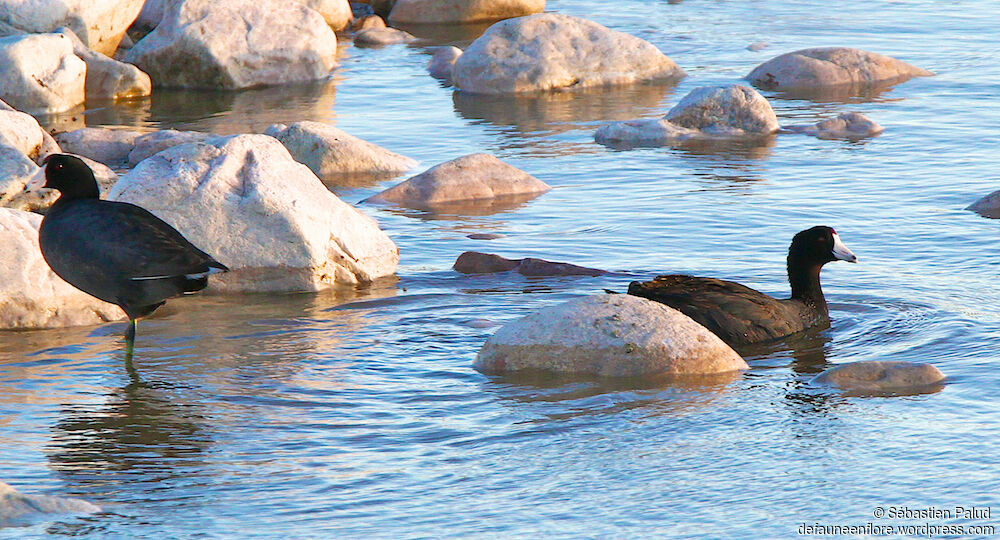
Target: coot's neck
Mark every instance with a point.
(803, 276)
(78, 191)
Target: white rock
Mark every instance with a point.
(609, 335)
(108, 146)
(880, 376)
(40, 74)
(850, 125)
(99, 23)
(31, 295)
(383, 36)
(108, 78)
(550, 51)
(21, 131)
(19, 509)
(443, 61)
(229, 44)
(475, 176)
(461, 11)
(336, 13)
(328, 150)
(247, 202)
(831, 66)
(12, 194)
(158, 141)
(15, 170)
(706, 112)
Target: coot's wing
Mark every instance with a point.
(736, 313)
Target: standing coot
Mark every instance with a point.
(740, 315)
(115, 251)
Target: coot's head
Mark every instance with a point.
(68, 174)
(819, 245)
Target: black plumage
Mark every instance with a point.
(116, 251)
(740, 315)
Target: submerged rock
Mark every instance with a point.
(40, 74)
(20, 509)
(850, 125)
(881, 376)
(101, 24)
(31, 295)
(461, 11)
(108, 146)
(614, 335)
(473, 262)
(443, 61)
(831, 66)
(707, 112)
(471, 177)
(231, 44)
(551, 51)
(328, 150)
(267, 217)
(383, 36)
(108, 78)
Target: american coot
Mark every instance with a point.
(740, 315)
(115, 251)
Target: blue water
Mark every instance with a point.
(350, 413)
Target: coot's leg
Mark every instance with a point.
(129, 339)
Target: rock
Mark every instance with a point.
(21, 131)
(267, 217)
(551, 51)
(230, 44)
(706, 112)
(150, 16)
(328, 150)
(831, 66)
(881, 376)
(15, 171)
(475, 176)
(608, 335)
(758, 46)
(101, 24)
(484, 236)
(366, 22)
(850, 125)
(336, 13)
(473, 262)
(441, 64)
(108, 78)
(158, 141)
(108, 146)
(18, 509)
(40, 74)
(382, 8)
(31, 295)
(461, 11)
(12, 194)
(383, 36)
(988, 206)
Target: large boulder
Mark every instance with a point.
(108, 78)
(31, 295)
(551, 51)
(881, 376)
(831, 66)
(230, 44)
(850, 125)
(707, 112)
(108, 146)
(101, 24)
(609, 335)
(329, 151)
(475, 176)
(19, 509)
(40, 74)
(461, 11)
(267, 217)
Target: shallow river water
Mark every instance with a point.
(357, 413)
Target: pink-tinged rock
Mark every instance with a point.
(473, 262)
(850, 125)
(613, 335)
(831, 66)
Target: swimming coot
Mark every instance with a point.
(740, 315)
(115, 251)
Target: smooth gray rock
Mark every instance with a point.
(473, 262)
(382, 36)
(850, 125)
(831, 66)
(881, 376)
(442, 62)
